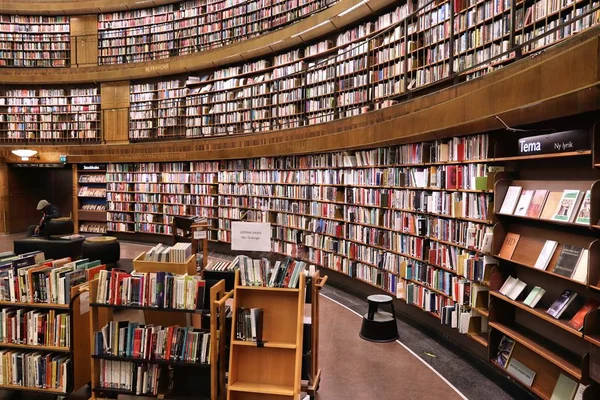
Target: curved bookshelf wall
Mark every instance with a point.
(70, 7)
(193, 26)
(368, 67)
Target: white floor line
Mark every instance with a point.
(409, 350)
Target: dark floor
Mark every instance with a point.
(415, 367)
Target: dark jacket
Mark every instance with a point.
(50, 212)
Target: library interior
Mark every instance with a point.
(300, 199)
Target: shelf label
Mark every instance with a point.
(199, 234)
(84, 303)
(250, 236)
(522, 373)
(559, 142)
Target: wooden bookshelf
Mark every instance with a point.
(146, 202)
(191, 26)
(78, 368)
(102, 313)
(35, 41)
(91, 198)
(272, 371)
(54, 114)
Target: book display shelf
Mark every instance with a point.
(34, 41)
(166, 358)
(91, 198)
(61, 356)
(50, 115)
(192, 26)
(269, 367)
(370, 66)
(145, 197)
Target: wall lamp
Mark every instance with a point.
(25, 154)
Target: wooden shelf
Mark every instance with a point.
(480, 338)
(122, 307)
(593, 339)
(534, 346)
(30, 389)
(35, 347)
(538, 312)
(154, 361)
(269, 289)
(261, 388)
(4, 304)
(267, 344)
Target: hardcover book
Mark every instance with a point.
(581, 270)
(583, 216)
(537, 203)
(567, 261)
(523, 204)
(577, 321)
(561, 304)
(546, 255)
(565, 388)
(505, 349)
(552, 202)
(567, 206)
(509, 245)
(534, 296)
(510, 200)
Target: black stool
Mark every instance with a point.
(379, 326)
(103, 248)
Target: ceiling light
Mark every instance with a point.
(24, 153)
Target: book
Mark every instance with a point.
(567, 206)
(537, 203)
(580, 390)
(577, 321)
(523, 204)
(552, 202)
(562, 303)
(567, 261)
(505, 349)
(510, 200)
(581, 270)
(508, 285)
(583, 216)
(509, 245)
(565, 388)
(517, 289)
(534, 296)
(546, 255)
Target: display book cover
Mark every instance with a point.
(565, 388)
(566, 304)
(577, 321)
(568, 260)
(567, 206)
(537, 203)
(583, 216)
(524, 202)
(510, 200)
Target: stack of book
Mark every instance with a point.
(284, 274)
(179, 253)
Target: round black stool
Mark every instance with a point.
(103, 248)
(377, 325)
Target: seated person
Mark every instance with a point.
(49, 212)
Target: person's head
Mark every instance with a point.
(42, 205)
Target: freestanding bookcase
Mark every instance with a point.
(272, 370)
(314, 372)
(101, 313)
(79, 367)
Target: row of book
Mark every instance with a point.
(154, 290)
(35, 328)
(570, 205)
(37, 370)
(179, 253)
(283, 274)
(153, 342)
(29, 278)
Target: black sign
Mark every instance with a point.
(93, 167)
(559, 142)
(37, 165)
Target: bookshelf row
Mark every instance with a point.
(34, 41)
(51, 114)
(193, 26)
(364, 68)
